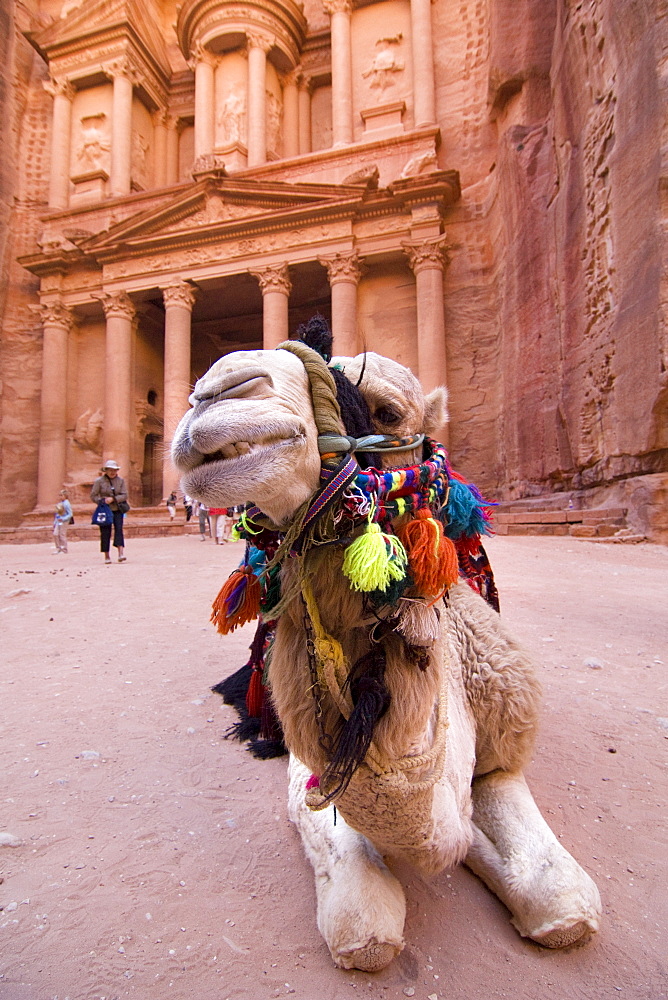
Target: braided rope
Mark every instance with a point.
(326, 409)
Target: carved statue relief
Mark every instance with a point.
(232, 118)
(140, 148)
(274, 114)
(93, 151)
(386, 63)
(88, 430)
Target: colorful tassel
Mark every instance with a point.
(255, 694)
(432, 557)
(465, 512)
(238, 601)
(374, 559)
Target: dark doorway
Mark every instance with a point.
(151, 477)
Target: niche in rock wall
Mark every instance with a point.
(382, 69)
(274, 114)
(186, 154)
(85, 407)
(321, 118)
(231, 84)
(90, 144)
(387, 313)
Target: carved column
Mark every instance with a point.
(59, 178)
(52, 468)
(160, 149)
(276, 286)
(291, 114)
(424, 94)
(340, 12)
(204, 65)
(121, 131)
(344, 272)
(179, 299)
(172, 165)
(305, 140)
(428, 260)
(120, 314)
(258, 46)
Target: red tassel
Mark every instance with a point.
(238, 601)
(255, 694)
(432, 557)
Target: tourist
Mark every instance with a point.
(204, 522)
(188, 506)
(171, 505)
(110, 489)
(61, 520)
(218, 517)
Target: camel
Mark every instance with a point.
(408, 708)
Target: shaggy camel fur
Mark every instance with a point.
(442, 782)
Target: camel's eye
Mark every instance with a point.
(386, 415)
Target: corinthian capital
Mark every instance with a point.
(343, 267)
(54, 314)
(338, 6)
(258, 40)
(179, 293)
(275, 278)
(125, 67)
(198, 54)
(116, 304)
(61, 88)
(428, 253)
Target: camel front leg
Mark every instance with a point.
(361, 905)
(551, 898)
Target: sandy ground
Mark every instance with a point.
(156, 860)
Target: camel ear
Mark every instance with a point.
(436, 410)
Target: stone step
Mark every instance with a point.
(82, 531)
(601, 523)
(607, 515)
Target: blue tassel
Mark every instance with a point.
(463, 514)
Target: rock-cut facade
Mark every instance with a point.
(476, 190)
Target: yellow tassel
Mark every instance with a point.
(374, 559)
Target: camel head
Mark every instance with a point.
(252, 434)
(397, 403)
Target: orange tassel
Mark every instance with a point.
(432, 557)
(255, 694)
(238, 601)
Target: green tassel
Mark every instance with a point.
(374, 559)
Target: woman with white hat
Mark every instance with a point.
(109, 488)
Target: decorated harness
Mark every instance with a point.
(407, 535)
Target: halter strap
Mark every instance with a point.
(329, 444)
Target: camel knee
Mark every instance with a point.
(361, 914)
(551, 898)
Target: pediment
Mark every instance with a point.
(211, 207)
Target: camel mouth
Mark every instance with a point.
(240, 449)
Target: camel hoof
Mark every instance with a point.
(562, 937)
(373, 957)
